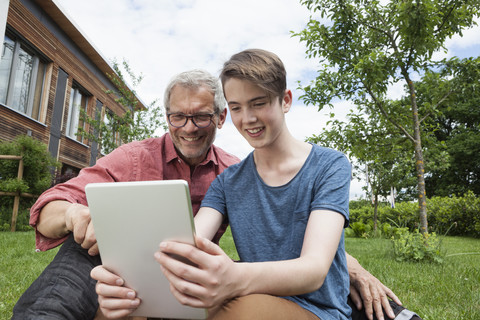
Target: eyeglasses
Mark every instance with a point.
(201, 120)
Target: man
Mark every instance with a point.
(195, 108)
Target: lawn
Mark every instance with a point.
(436, 292)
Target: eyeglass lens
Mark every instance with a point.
(199, 120)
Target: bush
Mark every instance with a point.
(361, 229)
(38, 165)
(414, 246)
(6, 208)
(455, 215)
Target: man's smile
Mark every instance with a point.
(191, 139)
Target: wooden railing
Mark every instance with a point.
(17, 195)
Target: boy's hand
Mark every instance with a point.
(209, 283)
(116, 301)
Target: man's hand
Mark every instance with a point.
(59, 217)
(368, 292)
(209, 283)
(115, 300)
(78, 221)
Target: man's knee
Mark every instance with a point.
(64, 290)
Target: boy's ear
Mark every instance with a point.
(287, 100)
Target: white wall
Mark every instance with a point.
(3, 17)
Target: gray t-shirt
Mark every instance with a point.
(268, 223)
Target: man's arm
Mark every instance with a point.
(368, 291)
(60, 217)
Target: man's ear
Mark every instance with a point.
(221, 118)
(287, 101)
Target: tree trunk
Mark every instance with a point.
(419, 164)
(375, 213)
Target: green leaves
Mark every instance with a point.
(133, 125)
(367, 46)
(415, 246)
(37, 163)
(13, 185)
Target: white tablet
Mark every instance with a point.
(130, 220)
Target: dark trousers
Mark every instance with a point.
(64, 290)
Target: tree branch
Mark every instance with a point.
(437, 104)
(445, 19)
(385, 114)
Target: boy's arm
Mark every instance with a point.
(207, 222)
(218, 278)
(306, 273)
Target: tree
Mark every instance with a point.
(457, 125)
(376, 149)
(367, 46)
(134, 124)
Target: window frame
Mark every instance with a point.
(38, 78)
(85, 98)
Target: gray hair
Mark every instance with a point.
(195, 79)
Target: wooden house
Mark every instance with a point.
(49, 71)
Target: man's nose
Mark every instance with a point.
(190, 126)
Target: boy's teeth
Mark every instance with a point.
(254, 130)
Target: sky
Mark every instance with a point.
(160, 38)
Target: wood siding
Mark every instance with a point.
(34, 32)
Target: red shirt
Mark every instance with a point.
(150, 159)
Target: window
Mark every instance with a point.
(22, 74)
(78, 102)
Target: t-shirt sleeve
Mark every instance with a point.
(332, 187)
(215, 196)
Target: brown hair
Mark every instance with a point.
(261, 67)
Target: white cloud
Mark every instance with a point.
(468, 39)
(162, 38)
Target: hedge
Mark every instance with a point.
(455, 215)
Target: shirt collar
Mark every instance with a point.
(171, 153)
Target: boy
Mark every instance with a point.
(287, 205)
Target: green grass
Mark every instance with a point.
(435, 292)
(20, 265)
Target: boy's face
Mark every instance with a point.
(257, 116)
(192, 143)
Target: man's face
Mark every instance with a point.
(192, 143)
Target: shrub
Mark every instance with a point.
(455, 215)
(361, 229)
(349, 233)
(38, 165)
(6, 208)
(414, 246)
